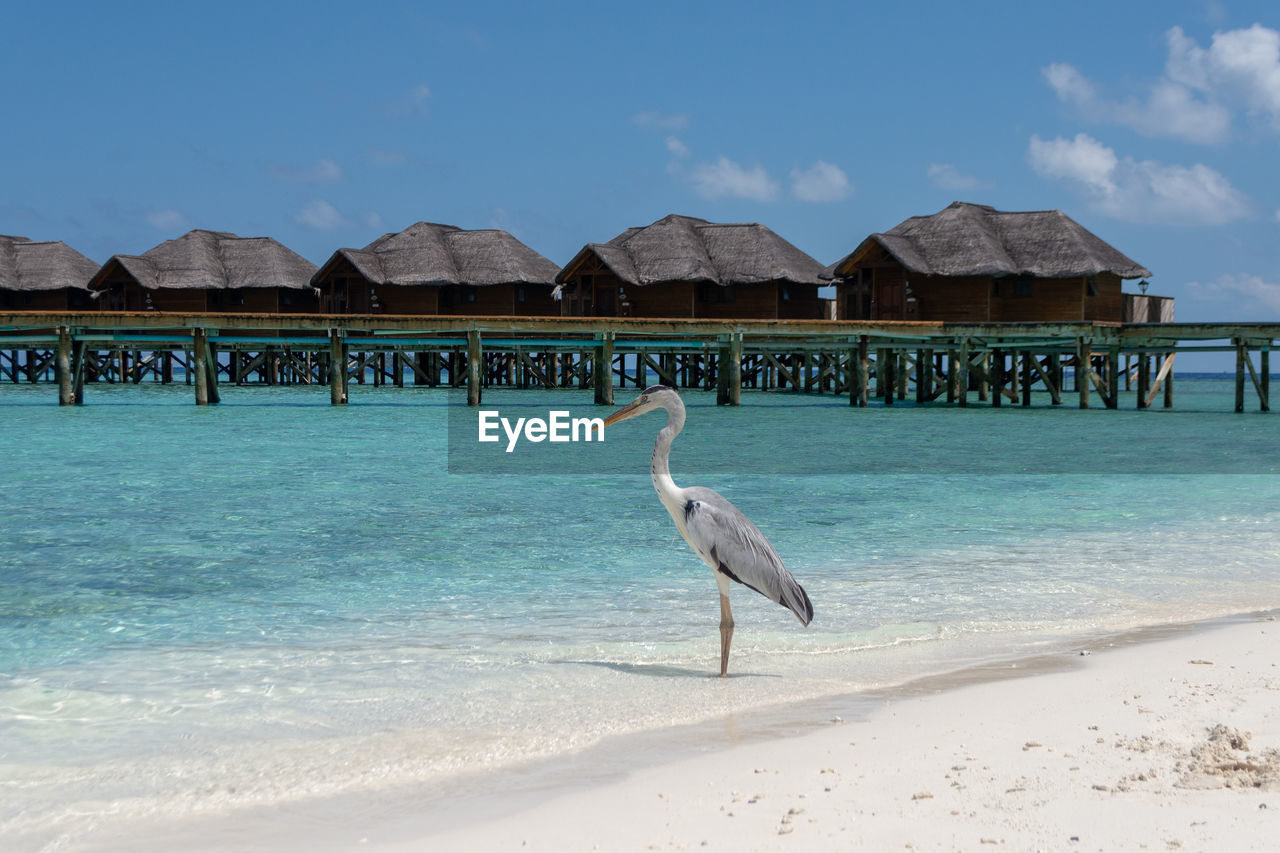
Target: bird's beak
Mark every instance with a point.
(629, 410)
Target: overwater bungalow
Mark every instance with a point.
(973, 263)
(430, 268)
(208, 271)
(681, 266)
(44, 276)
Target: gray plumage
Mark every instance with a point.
(718, 533)
(727, 541)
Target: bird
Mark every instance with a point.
(723, 537)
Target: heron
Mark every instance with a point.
(723, 537)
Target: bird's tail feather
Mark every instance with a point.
(796, 600)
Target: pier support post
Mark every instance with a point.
(960, 375)
(995, 377)
(1241, 354)
(1083, 381)
(200, 358)
(337, 368)
(1264, 368)
(1144, 378)
(886, 374)
(924, 375)
(1113, 377)
(66, 392)
(722, 374)
(729, 376)
(863, 371)
(602, 369)
(1027, 377)
(475, 367)
(77, 368)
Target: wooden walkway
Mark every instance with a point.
(1002, 363)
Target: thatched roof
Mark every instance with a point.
(45, 265)
(683, 248)
(208, 260)
(976, 240)
(427, 253)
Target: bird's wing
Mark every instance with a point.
(727, 540)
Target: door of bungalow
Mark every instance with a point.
(606, 300)
(890, 299)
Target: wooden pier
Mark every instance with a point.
(996, 363)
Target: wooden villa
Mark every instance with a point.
(438, 269)
(973, 263)
(208, 271)
(44, 276)
(680, 266)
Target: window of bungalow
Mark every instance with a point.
(1091, 286)
(1013, 287)
(725, 293)
(786, 292)
(468, 293)
(519, 294)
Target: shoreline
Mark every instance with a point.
(487, 810)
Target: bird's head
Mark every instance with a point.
(653, 397)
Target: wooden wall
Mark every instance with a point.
(1108, 304)
(1141, 308)
(976, 299)
(491, 300)
(606, 295)
(953, 300)
(399, 299)
(59, 299)
(537, 301)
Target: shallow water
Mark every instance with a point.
(203, 608)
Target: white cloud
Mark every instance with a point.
(948, 177)
(725, 178)
(1083, 159)
(1171, 109)
(1139, 191)
(659, 121)
(1256, 293)
(676, 147)
(168, 220)
(414, 102)
(1241, 65)
(321, 215)
(323, 170)
(821, 182)
(1195, 98)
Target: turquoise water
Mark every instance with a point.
(211, 608)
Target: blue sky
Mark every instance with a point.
(1156, 125)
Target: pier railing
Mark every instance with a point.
(999, 362)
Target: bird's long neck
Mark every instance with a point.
(668, 491)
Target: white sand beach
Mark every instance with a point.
(1171, 744)
(1166, 739)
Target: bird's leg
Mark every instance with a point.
(726, 634)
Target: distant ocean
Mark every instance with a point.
(205, 609)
